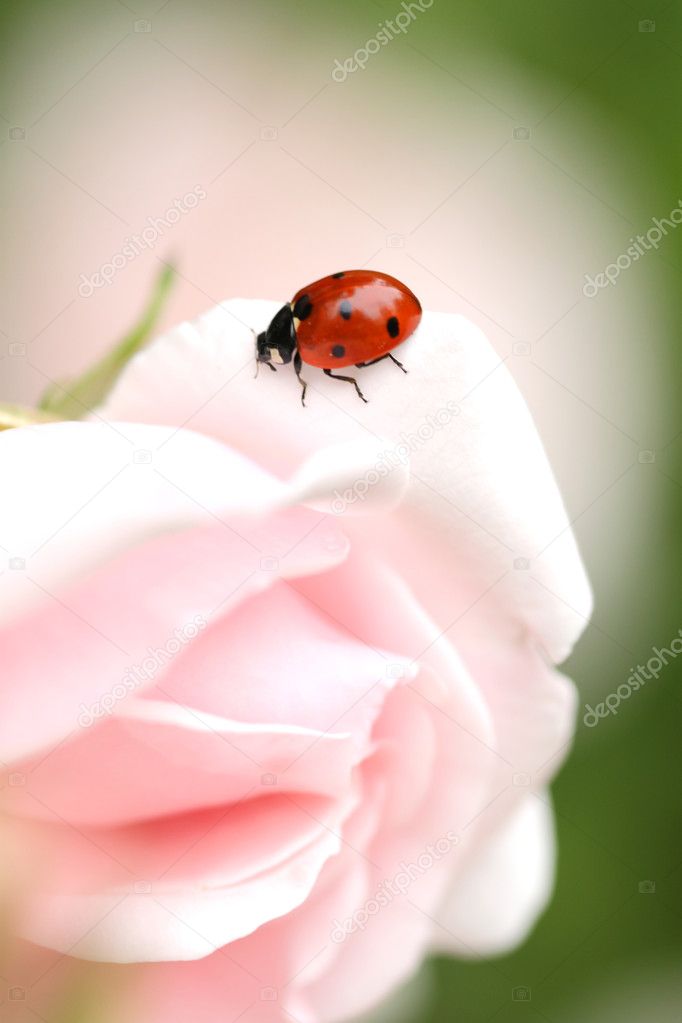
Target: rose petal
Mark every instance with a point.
(311, 672)
(499, 895)
(110, 487)
(183, 887)
(328, 475)
(213, 990)
(532, 704)
(155, 759)
(79, 497)
(480, 481)
(102, 632)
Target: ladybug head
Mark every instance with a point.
(278, 342)
(263, 351)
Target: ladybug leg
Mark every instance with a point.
(297, 367)
(361, 365)
(349, 380)
(258, 365)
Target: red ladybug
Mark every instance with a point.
(352, 318)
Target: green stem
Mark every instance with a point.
(74, 399)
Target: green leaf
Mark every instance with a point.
(74, 399)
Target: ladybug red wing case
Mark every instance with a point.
(353, 317)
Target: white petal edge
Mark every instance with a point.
(498, 897)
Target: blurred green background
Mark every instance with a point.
(606, 950)
(598, 86)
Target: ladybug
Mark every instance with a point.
(351, 318)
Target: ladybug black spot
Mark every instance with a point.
(303, 308)
(338, 275)
(392, 326)
(338, 351)
(345, 309)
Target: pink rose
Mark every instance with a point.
(279, 706)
